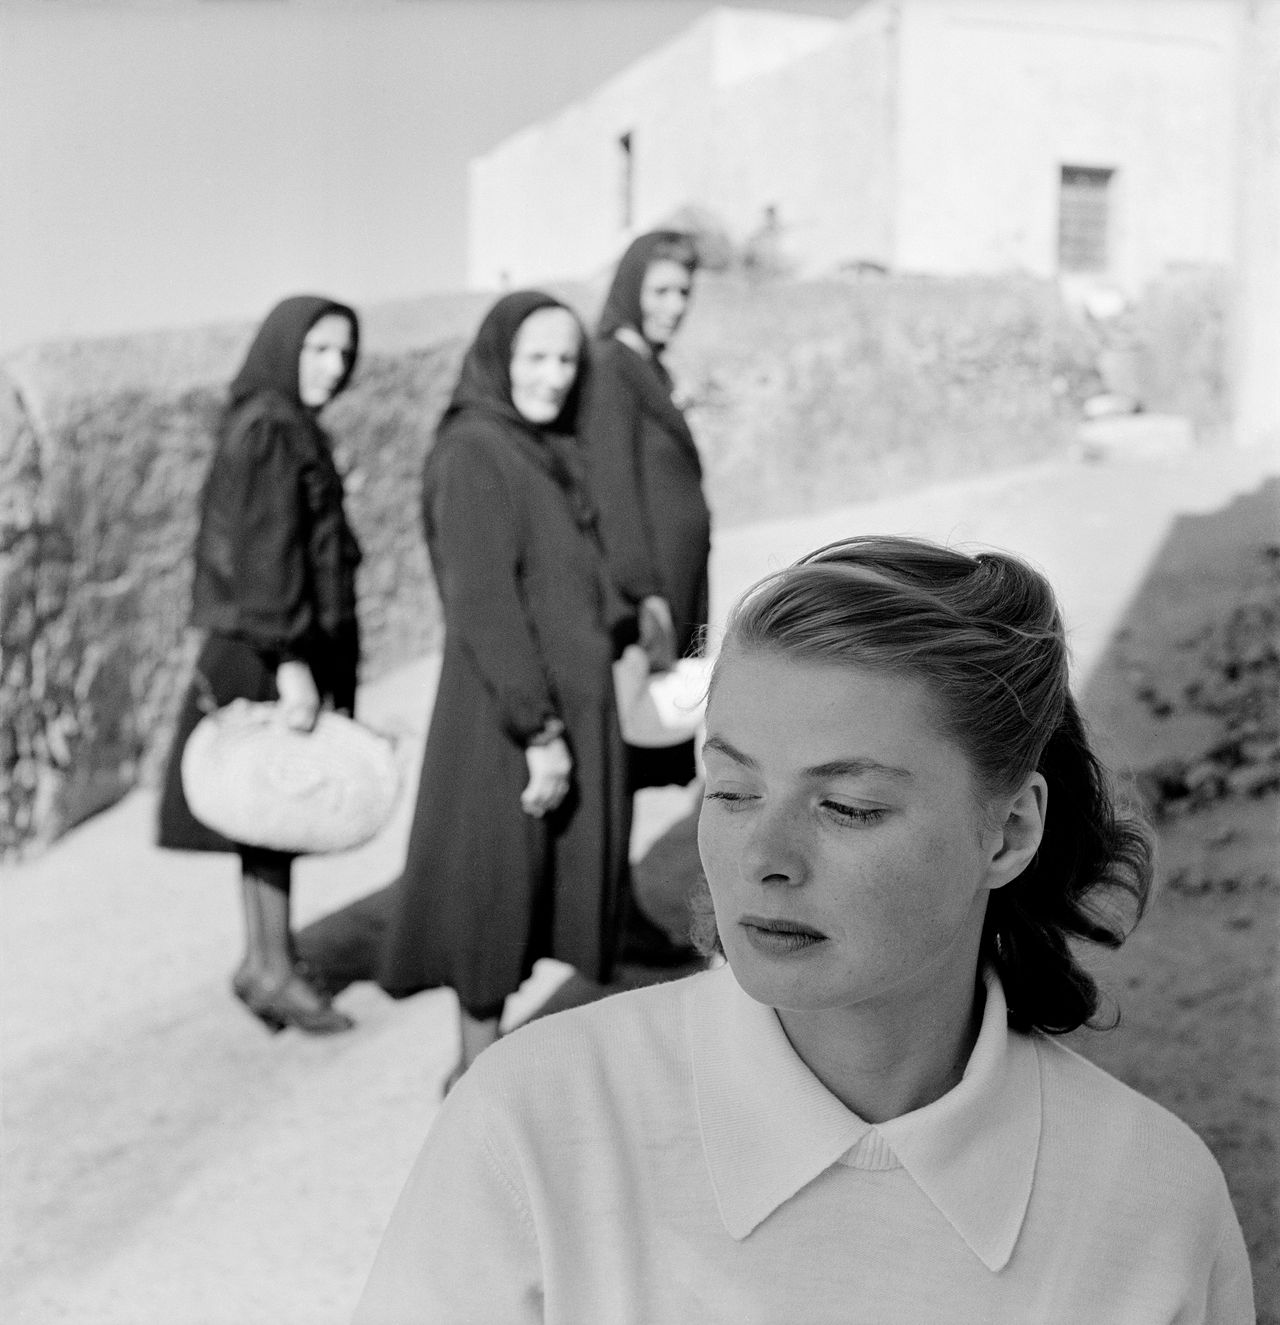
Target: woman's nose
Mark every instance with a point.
(775, 851)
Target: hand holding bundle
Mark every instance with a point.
(259, 781)
(657, 710)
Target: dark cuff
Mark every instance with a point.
(552, 730)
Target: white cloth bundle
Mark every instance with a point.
(258, 782)
(662, 709)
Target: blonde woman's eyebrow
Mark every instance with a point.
(856, 768)
(719, 745)
(833, 768)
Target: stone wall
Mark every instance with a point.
(813, 394)
(96, 528)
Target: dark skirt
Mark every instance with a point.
(675, 765)
(486, 889)
(229, 669)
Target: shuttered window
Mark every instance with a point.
(1084, 205)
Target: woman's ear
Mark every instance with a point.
(1017, 837)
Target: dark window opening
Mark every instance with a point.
(627, 199)
(1084, 218)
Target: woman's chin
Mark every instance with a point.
(540, 415)
(782, 971)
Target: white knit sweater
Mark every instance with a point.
(664, 1156)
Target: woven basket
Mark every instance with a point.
(662, 709)
(255, 781)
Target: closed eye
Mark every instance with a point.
(852, 814)
(729, 798)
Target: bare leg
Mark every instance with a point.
(266, 981)
(476, 1034)
(265, 894)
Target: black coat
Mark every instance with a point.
(530, 622)
(275, 559)
(646, 481)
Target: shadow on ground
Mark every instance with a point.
(343, 947)
(1185, 699)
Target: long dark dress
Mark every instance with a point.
(275, 559)
(645, 477)
(646, 480)
(529, 635)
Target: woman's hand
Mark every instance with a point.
(549, 769)
(657, 633)
(299, 698)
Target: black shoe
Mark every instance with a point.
(289, 1002)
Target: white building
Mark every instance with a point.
(1059, 137)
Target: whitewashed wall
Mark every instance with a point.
(546, 203)
(813, 138)
(927, 135)
(996, 95)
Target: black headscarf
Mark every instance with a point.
(266, 390)
(271, 363)
(484, 382)
(484, 387)
(622, 304)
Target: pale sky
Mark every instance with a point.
(165, 163)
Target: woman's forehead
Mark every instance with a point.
(332, 326)
(751, 673)
(547, 326)
(799, 713)
(762, 685)
(666, 271)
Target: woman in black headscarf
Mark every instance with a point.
(518, 848)
(274, 590)
(645, 474)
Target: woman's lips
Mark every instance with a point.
(779, 937)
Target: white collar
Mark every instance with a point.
(769, 1126)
